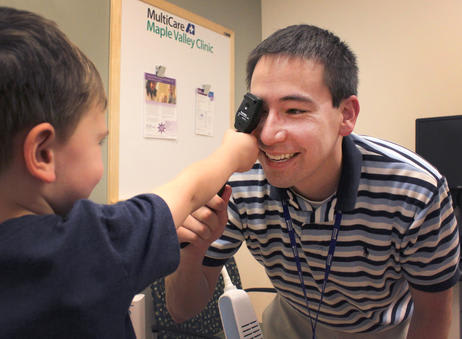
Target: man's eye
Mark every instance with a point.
(295, 111)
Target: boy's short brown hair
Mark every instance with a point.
(43, 78)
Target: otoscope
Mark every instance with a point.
(247, 117)
(248, 114)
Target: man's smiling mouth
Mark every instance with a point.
(280, 157)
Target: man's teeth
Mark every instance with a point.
(280, 157)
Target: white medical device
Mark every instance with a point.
(236, 311)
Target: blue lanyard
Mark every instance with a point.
(330, 255)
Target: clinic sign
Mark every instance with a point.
(167, 26)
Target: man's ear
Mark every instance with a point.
(350, 111)
(39, 152)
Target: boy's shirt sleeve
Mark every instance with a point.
(138, 233)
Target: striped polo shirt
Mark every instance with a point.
(397, 229)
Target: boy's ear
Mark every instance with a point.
(39, 152)
(350, 111)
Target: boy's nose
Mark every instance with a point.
(271, 129)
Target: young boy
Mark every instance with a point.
(69, 267)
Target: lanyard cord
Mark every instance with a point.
(330, 255)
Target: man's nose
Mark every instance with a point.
(271, 129)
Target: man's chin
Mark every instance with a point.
(279, 182)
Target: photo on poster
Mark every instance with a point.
(160, 118)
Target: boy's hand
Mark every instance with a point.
(206, 224)
(241, 148)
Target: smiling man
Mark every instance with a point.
(357, 234)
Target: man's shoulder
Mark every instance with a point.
(369, 144)
(389, 158)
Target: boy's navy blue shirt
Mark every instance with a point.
(75, 277)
